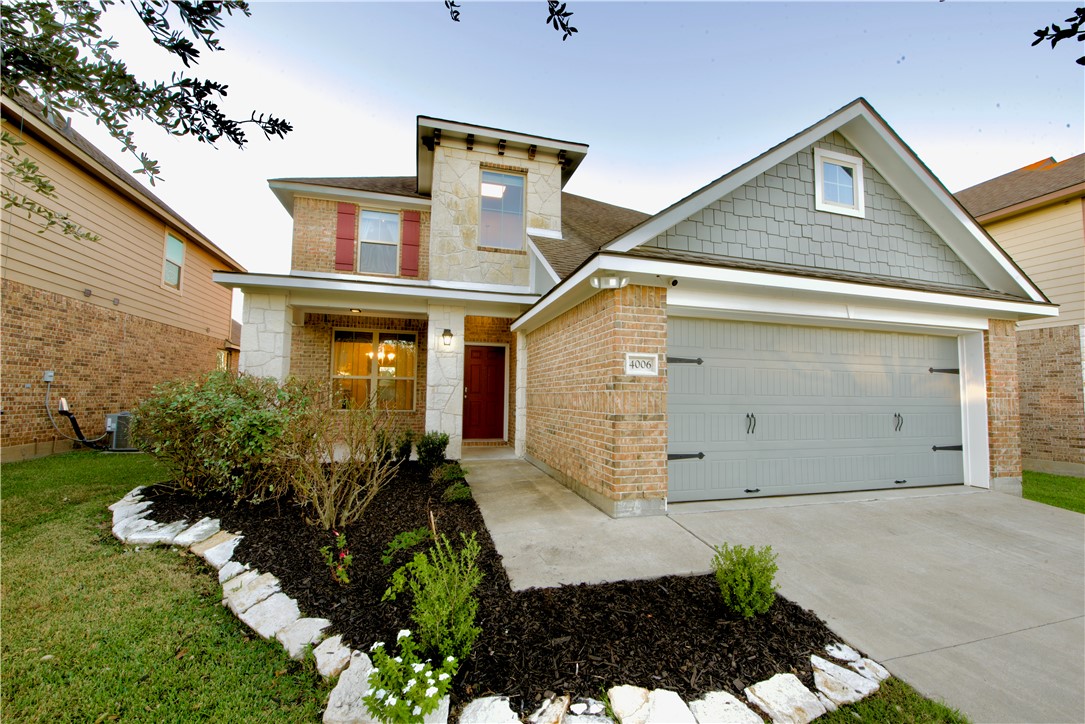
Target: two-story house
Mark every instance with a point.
(1037, 214)
(97, 322)
(823, 318)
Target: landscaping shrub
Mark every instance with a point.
(404, 541)
(431, 449)
(458, 492)
(745, 576)
(443, 584)
(404, 688)
(447, 474)
(403, 444)
(221, 432)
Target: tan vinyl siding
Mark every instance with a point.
(125, 264)
(1049, 244)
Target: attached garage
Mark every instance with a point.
(759, 409)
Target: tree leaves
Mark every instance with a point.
(1057, 34)
(559, 18)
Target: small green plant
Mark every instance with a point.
(443, 584)
(338, 561)
(458, 492)
(447, 473)
(404, 541)
(745, 576)
(404, 688)
(431, 449)
(404, 441)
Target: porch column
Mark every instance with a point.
(1003, 406)
(265, 336)
(444, 372)
(521, 395)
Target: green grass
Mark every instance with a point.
(1062, 491)
(94, 630)
(895, 703)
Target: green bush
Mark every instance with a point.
(221, 432)
(745, 576)
(443, 586)
(431, 449)
(447, 473)
(404, 689)
(458, 492)
(403, 444)
(404, 541)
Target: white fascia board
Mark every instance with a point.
(302, 284)
(500, 134)
(570, 292)
(542, 260)
(418, 284)
(721, 187)
(285, 191)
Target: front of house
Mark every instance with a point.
(823, 318)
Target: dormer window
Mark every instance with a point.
(838, 183)
(378, 242)
(502, 223)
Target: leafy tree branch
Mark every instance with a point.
(1056, 33)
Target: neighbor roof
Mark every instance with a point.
(395, 185)
(1034, 181)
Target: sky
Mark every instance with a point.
(668, 95)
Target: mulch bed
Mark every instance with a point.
(670, 633)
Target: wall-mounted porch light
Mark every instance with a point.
(608, 281)
(446, 337)
(356, 311)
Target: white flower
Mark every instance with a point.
(403, 633)
(451, 659)
(418, 711)
(418, 667)
(378, 645)
(398, 659)
(410, 683)
(380, 694)
(431, 691)
(392, 701)
(443, 676)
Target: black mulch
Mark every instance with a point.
(671, 633)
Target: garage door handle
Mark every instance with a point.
(900, 422)
(751, 422)
(754, 422)
(685, 456)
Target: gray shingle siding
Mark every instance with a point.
(772, 218)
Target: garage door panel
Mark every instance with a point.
(727, 381)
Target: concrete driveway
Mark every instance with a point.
(974, 598)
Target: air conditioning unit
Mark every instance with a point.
(118, 425)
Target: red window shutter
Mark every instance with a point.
(345, 231)
(409, 242)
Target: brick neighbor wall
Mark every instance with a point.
(104, 361)
(603, 432)
(311, 353)
(496, 330)
(1052, 398)
(314, 237)
(1003, 407)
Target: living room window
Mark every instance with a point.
(378, 242)
(370, 367)
(174, 261)
(838, 183)
(502, 224)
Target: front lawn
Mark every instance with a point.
(97, 631)
(1062, 491)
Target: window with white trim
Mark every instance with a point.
(838, 183)
(502, 223)
(370, 367)
(174, 262)
(378, 242)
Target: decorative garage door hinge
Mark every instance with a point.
(938, 448)
(685, 361)
(685, 456)
(945, 370)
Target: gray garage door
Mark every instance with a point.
(768, 409)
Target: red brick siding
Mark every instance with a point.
(104, 361)
(586, 418)
(1052, 403)
(311, 353)
(315, 223)
(1003, 408)
(495, 330)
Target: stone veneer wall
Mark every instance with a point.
(104, 361)
(1003, 405)
(602, 432)
(1052, 399)
(311, 353)
(772, 218)
(314, 237)
(496, 330)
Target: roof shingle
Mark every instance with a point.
(1031, 182)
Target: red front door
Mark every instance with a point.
(484, 393)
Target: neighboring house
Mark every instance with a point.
(1037, 214)
(823, 318)
(108, 318)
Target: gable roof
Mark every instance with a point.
(1033, 183)
(72, 144)
(868, 132)
(395, 185)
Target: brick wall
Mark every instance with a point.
(1003, 407)
(603, 432)
(1052, 401)
(495, 330)
(314, 237)
(104, 361)
(311, 353)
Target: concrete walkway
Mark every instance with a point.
(974, 598)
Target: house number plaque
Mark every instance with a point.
(641, 365)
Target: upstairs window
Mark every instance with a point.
(174, 263)
(374, 368)
(838, 183)
(502, 224)
(378, 242)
